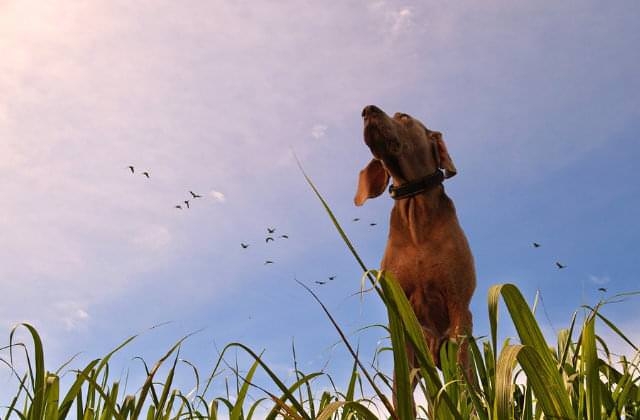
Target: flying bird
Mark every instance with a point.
(271, 230)
(131, 169)
(268, 262)
(268, 238)
(372, 224)
(320, 282)
(178, 206)
(243, 245)
(560, 266)
(187, 203)
(145, 173)
(332, 277)
(284, 236)
(536, 245)
(602, 289)
(356, 219)
(194, 195)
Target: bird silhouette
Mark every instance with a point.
(178, 206)
(271, 230)
(187, 203)
(268, 262)
(560, 266)
(372, 224)
(243, 245)
(194, 195)
(320, 282)
(602, 289)
(332, 277)
(131, 169)
(284, 236)
(536, 245)
(268, 238)
(146, 174)
(356, 219)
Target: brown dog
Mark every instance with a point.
(427, 251)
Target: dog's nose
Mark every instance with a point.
(369, 110)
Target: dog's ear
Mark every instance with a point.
(445, 160)
(372, 181)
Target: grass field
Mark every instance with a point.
(576, 377)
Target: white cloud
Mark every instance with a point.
(318, 131)
(220, 197)
(599, 280)
(394, 20)
(402, 20)
(72, 314)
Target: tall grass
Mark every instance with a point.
(574, 378)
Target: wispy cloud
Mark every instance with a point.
(318, 131)
(72, 314)
(599, 280)
(401, 20)
(218, 196)
(394, 20)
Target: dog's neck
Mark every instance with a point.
(416, 216)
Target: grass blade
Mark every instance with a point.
(397, 301)
(536, 354)
(236, 413)
(590, 369)
(75, 390)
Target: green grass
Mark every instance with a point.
(574, 378)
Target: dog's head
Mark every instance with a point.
(403, 148)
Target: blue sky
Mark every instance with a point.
(539, 106)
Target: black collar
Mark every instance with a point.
(412, 188)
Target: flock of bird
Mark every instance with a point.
(357, 219)
(133, 171)
(271, 237)
(179, 206)
(194, 196)
(558, 263)
(271, 231)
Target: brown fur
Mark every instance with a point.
(427, 251)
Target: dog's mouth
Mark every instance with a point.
(371, 116)
(375, 139)
(372, 133)
(378, 132)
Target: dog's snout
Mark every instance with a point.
(370, 110)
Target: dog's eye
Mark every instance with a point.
(401, 116)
